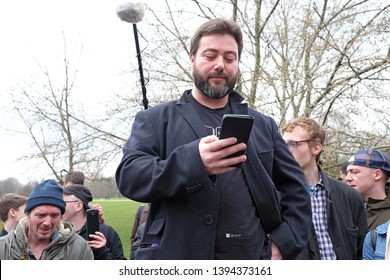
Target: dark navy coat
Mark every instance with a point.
(161, 164)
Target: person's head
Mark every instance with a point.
(215, 51)
(368, 171)
(77, 198)
(305, 139)
(217, 26)
(12, 207)
(343, 171)
(74, 178)
(44, 209)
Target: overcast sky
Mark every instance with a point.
(32, 32)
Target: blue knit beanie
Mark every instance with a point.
(46, 193)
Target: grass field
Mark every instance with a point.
(119, 214)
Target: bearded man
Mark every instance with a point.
(200, 206)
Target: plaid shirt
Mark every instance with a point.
(320, 220)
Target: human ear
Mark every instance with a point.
(378, 174)
(11, 212)
(192, 58)
(317, 149)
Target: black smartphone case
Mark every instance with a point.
(92, 222)
(238, 126)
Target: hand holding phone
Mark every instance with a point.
(238, 126)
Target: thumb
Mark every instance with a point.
(209, 139)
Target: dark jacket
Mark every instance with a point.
(137, 240)
(140, 218)
(113, 249)
(136, 232)
(347, 222)
(3, 232)
(161, 164)
(378, 210)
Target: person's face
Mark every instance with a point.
(343, 176)
(43, 221)
(73, 206)
(362, 179)
(215, 65)
(298, 142)
(19, 213)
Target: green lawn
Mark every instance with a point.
(119, 214)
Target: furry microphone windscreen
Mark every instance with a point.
(131, 12)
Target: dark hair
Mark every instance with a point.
(76, 177)
(343, 167)
(10, 201)
(219, 26)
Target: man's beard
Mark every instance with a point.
(204, 87)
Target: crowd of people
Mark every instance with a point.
(333, 236)
(50, 224)
(278, 204)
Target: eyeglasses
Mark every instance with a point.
(66, 201)
(293, 145)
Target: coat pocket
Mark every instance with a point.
(153, 235)
(352, 239)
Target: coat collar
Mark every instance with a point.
(188, 110)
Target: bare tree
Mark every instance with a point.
(331, 62)
(62, 136)
(325, 54)
(319, 58)
(300, 58)
(323, 59)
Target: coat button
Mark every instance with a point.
(209, 220)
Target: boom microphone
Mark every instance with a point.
(134, 13)
(131, 12)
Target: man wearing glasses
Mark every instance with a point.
(338, 215)
(105, 243)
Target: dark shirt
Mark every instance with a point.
(378, 211)
(3, 232)
(239, 231)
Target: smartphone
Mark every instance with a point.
(238, 126)
(92, 221)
